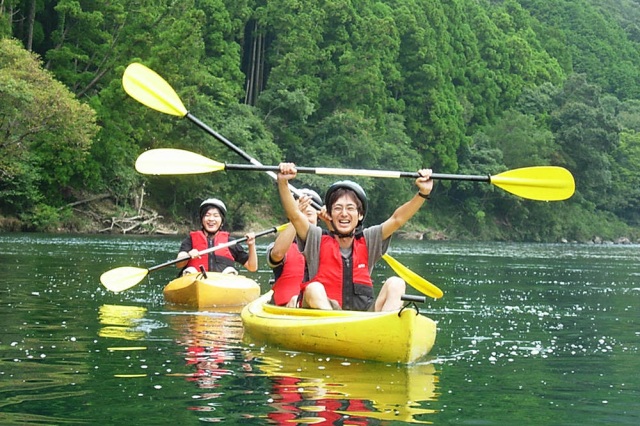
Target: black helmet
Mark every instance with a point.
(348, 184)
(212, 202)
(313, 194)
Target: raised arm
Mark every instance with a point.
(297, 218)
(408, 209)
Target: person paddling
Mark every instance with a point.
(340, 262)
(212, 214)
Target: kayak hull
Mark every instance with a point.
(217, 290)
(377, 336)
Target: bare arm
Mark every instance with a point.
(297, 218)
(408, 209)
(182, 264)
(193, 253)
(282, 243)
(252, 263)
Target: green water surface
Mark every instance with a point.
(539, 334)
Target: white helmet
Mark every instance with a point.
(212, 202)
(313, 194)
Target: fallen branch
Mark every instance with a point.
(86, 200)
(128, 224)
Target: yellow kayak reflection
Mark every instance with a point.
(314, 389)
(303, 388)
(120, 322)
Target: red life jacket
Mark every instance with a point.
(222, 257)
(331, 272)
(288, 283)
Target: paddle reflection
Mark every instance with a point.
(314, 389)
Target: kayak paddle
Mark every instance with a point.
(125, 277)
(544, 183)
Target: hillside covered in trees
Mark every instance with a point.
(460, 86)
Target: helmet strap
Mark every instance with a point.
(340, 235)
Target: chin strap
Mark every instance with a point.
(357, 231)
(339, 235)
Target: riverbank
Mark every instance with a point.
(101, 214)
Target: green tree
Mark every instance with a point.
(587, 135)
(521, 140)
(596, 43)
(625, 191)
(628, 114)
(46, 133)
(434, 116)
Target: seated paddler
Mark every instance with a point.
(212, 213)
(340, 262)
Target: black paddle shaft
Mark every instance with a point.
(316, 170)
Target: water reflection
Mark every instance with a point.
(120, 322)
(312, 389)
(211, 346)
(210, 341)
(294, 387)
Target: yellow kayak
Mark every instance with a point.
(378, 336)
(216, 290)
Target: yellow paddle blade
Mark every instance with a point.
(170, 161)
(544, 183)
(120, 279)
(413, 279)
(282, 227)
(148, 88)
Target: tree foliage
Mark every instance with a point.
(45, 133)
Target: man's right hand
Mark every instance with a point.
(287, 171)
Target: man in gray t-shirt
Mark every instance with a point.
(345, 281)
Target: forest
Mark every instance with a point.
(460, 86)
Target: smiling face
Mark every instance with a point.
(212, 220)
(345, 213)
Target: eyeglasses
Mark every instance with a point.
(350, 208)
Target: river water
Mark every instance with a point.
(534, 334)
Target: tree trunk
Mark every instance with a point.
(30, 23)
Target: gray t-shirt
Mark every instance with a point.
(311, 247)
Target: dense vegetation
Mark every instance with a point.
(463, 86)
